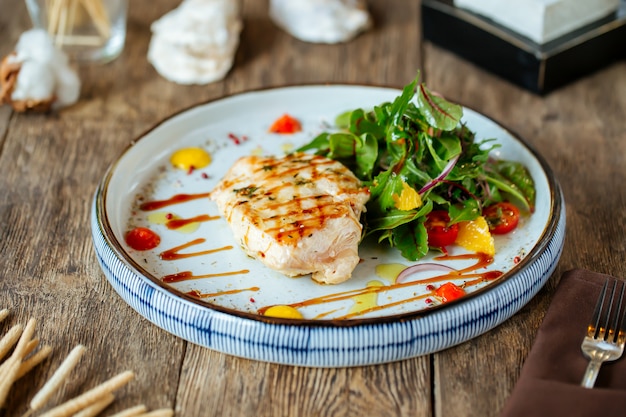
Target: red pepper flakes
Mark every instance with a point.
(252, 300)
(234, 138)
(237, 140)
(191, 169)
(205, 175)
(169, 216)
(516, 260)
(430, 287)
(286, 125)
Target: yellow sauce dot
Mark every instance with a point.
(159, 217)
(283, 312)
(365, 301)
(188, 158)
(389, 272)
(475, 237)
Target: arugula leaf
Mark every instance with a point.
(342, 145)
(523, 197)
(400, 104)
(366, 156)
(362, 122)
(394, 218)
(442, 150)
(467, 211)
(343, 120)
(518, 175)
(321, 142)
(383, 188)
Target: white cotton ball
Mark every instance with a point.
(35, 45)
(44, 74)
(67, 87)
(35, 81)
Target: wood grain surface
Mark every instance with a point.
(50, 166)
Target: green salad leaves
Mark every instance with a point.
(416, 155)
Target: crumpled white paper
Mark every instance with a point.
(196, 42)
(321, 21)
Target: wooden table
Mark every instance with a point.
(51, 164)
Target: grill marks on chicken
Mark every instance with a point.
(298, 214)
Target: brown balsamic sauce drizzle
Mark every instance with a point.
(188, 275)
(176, 199)
(198, 294)
(174, 224)
(174, 253)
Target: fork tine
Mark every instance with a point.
(594, 329)
(618, 325)
(607, 331)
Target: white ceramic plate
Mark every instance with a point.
(344, 325)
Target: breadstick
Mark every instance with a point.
(4, 313)
(10, 339)
(132, 412)
(3, 367)
(95, 408)
(84, 400)
(33, 361)
(59, 376)
(11, 366)
(30, 346)
(27, 335)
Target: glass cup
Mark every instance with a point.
(87, 30)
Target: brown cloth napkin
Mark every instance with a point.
(549, 384)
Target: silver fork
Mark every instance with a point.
(606, 335)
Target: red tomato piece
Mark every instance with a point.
(502, 217)
(286, 124)
(142, 238)
(449, 291)
(440, 232)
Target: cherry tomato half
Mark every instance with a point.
(285, 125)
(449, 291)
(440, 232)
(142, 238)
(502, 217)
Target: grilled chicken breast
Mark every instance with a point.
(298, 214)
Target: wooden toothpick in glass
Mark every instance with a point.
(70, 22)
